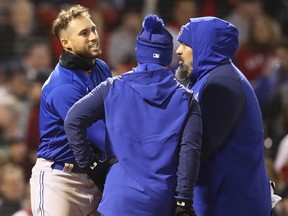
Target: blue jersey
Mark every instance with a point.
(61, 90)
(232, 178)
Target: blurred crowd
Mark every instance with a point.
(28, 53)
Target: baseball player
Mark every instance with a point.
(59, 187)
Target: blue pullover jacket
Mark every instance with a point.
(148, 119)
(232, 177)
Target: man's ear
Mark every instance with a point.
(65, 44)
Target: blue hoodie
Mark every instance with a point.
(145, 114)
(232, 177)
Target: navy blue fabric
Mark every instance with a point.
(190, 145)
(222, 81)
(62, 89)
(232, 177)
(145, 112)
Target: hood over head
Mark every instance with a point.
(214, 42)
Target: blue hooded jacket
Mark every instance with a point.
(145, 114)
(232, 178)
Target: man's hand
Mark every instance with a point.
(184, 208)
(98, 170)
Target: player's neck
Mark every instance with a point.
(72, 61)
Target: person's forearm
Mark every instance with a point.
(189, 156)
(82, 115)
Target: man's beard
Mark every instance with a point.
(181, 74)
(89, 56)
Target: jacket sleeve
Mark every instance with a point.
(82, 114)
(189, 156)
(222, 103)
